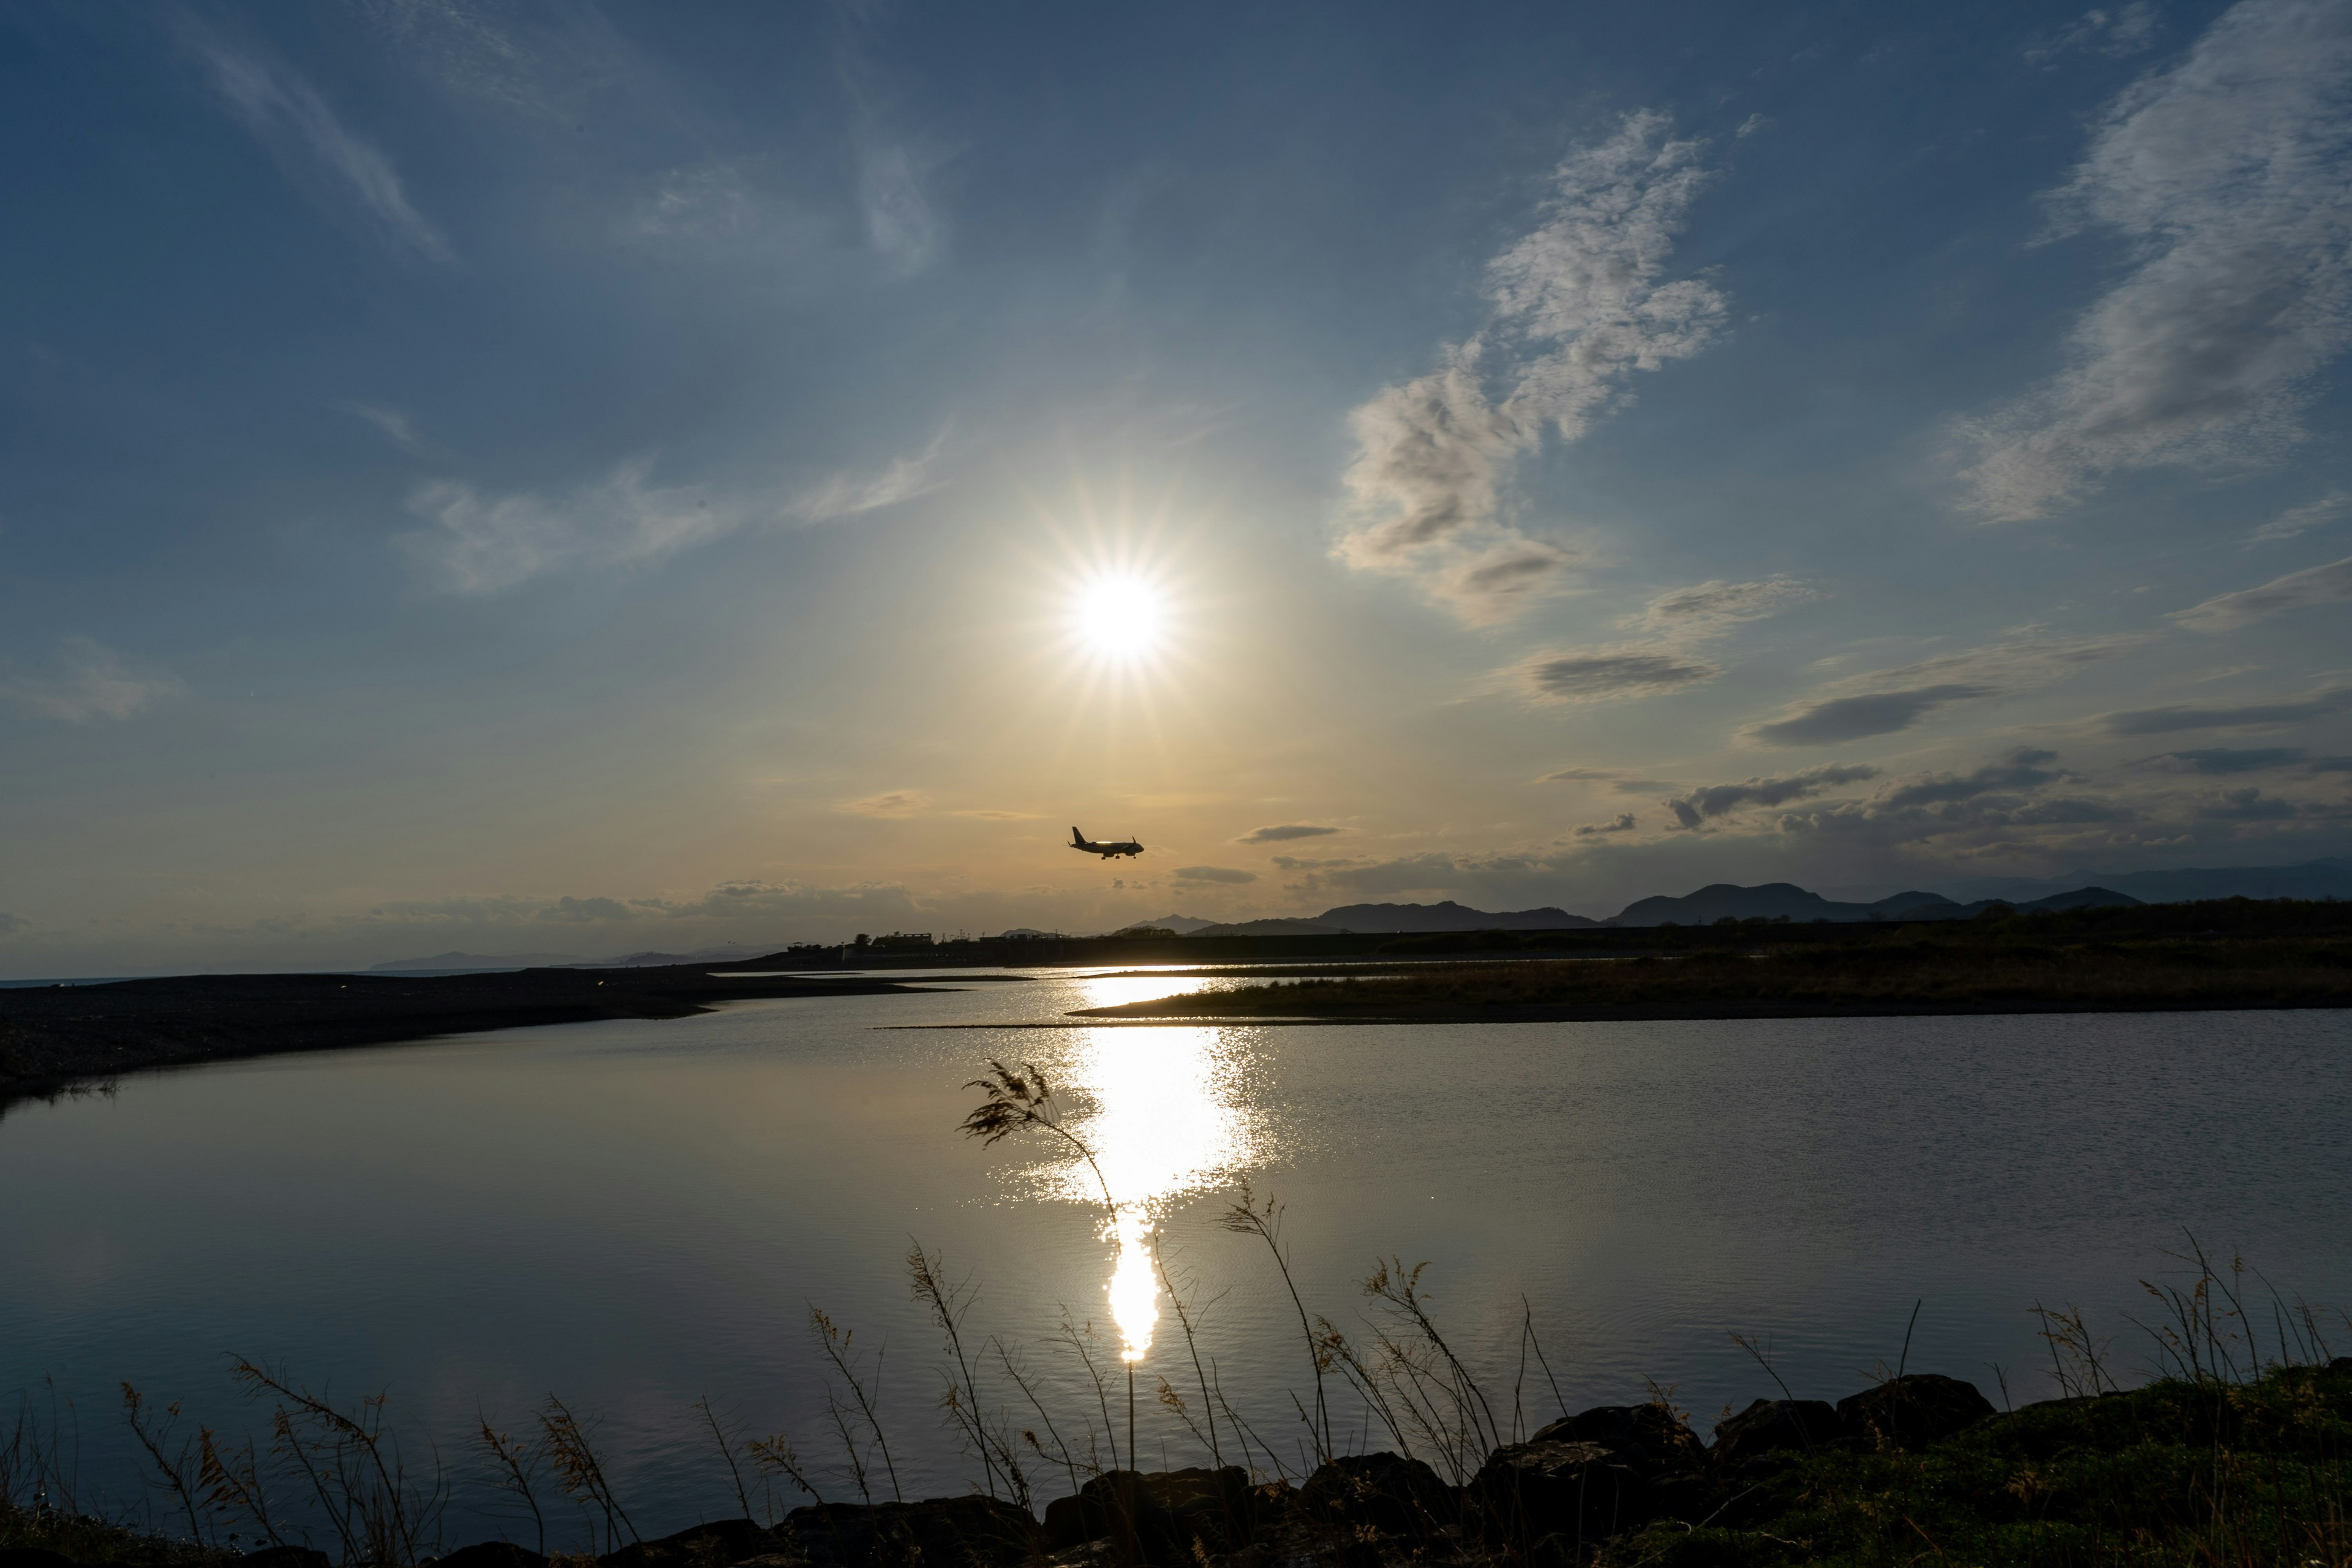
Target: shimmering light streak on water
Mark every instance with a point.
(1134, 1293)
(1164, 1112)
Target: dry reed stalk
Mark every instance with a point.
(1248, 1218)
(1062, 1454)
(1192, 1347)
(175, 1467)
(948, 1302)
(517, 1464)
(1076, 1340)
(354, 1465)
(1013, 1101)
(725, 1452)
(839, 1349)
(776, 1457)
(232, 1484)
(580, 1472)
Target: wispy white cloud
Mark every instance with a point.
(1578, 304)
(2328, 584)
(901, 223)
(329, 161)
(464, 50)
(395, 425)
(1229, 875)
(2297, 521)
(847, 493)
(2225, 173)
(480, 544)
(84, 681)
(2112, 30)
(893, 802)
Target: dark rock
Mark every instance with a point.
(713, 1545)
(1586, 1477)
(33, 1557)
(290, 1557)
(1548, 1498)
(1650, 1438)
(1776, 1425)
(1909, 1413)
(1384, 1493)
(485, 1554)
(941, 1532)
(1163, 1512)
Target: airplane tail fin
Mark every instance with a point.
(1077, 839)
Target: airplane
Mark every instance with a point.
(1105, 848)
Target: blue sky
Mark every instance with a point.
(563, 479)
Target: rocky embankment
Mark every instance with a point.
(1916, 1468)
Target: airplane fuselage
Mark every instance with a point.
(1109, 849)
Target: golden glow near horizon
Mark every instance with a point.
(1167, 1119)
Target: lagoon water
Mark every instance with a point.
(634, 1215)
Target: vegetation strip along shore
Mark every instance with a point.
(2234, 954)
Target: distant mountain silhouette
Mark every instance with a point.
(1182, 925)
(1786, 900)
(733, 952)
(2327, 878)
(2079, 898)
(478, 961)
(1448, 916)
(1272, 928)
(1772, 901)
(1378, 919)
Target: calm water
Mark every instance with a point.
(633, 1215)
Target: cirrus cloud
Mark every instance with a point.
(893, 802)
(2225, 173)
(83, 682)
(1578, 304)
(2328, 584)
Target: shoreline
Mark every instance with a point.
(1654, 1013)
(55, 1038)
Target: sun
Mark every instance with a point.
(1119, 617)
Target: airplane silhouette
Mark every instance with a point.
(1105, 848)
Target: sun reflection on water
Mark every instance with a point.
(1167, 1114)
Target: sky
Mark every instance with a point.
(581, 478)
